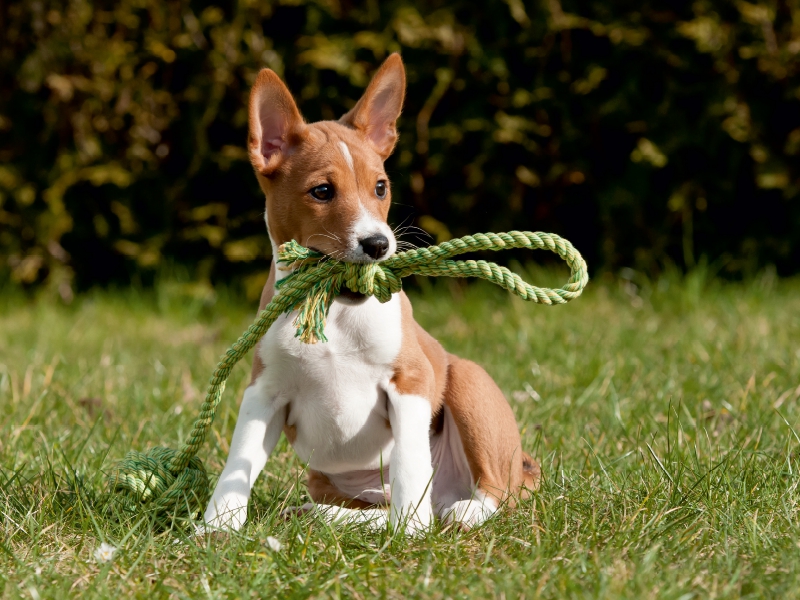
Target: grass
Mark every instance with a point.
(664, 414)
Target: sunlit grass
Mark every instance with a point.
(664, 415)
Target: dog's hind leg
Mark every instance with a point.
(500, 471)
(455, 497)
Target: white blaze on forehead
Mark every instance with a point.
(347, 156)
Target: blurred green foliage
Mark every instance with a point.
(646, 133)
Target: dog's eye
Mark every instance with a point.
(380, 189)
(323, 193)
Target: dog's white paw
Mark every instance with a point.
(417, 524)
(415, 528)
(226, 513)
(469, 513)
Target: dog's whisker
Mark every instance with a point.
(324, 235)
(402, 223)
(416, 230)
(332, 233)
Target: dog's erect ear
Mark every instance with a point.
(376, 113)
(275, 123)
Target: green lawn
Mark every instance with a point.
(664, 416)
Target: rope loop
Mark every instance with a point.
(174, 482)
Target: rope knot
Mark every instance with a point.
(148, 478)
(371, 279)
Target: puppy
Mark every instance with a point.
(381, 413)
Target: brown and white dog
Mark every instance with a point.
(381, 413)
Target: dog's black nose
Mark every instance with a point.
(375, 246)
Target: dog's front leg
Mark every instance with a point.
(258, 429)
(410, 469)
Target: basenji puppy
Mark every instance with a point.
(381, 413)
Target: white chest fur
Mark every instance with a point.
(335, 391)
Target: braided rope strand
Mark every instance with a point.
(174, 483)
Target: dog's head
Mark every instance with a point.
(324, 182)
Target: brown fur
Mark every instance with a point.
(421, 366)
(322, 491)
(488, 431)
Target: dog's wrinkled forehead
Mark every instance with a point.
(341, 149)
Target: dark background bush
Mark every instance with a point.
(648, 133)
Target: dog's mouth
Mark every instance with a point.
(346, 295)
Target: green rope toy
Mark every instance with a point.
(174, 483)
